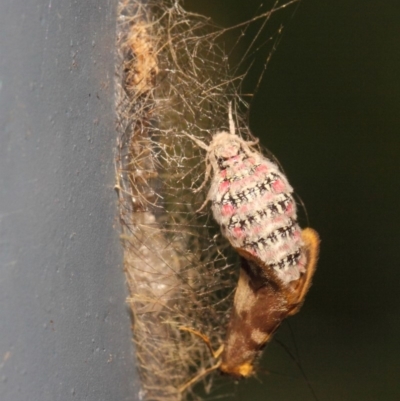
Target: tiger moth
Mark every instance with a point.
(252, 201)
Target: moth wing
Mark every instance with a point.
(300, 287)
(264, 272)
(296, 290)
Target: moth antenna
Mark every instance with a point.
(298, 364)
(231, 122)
(303, 206)
(199, 143)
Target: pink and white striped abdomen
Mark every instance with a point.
(252, 201)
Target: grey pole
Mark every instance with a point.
(64, 327)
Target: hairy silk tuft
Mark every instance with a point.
(187, 297)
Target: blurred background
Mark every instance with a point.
(328, 107)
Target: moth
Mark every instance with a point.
(253, 204)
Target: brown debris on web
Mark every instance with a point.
(172, 78)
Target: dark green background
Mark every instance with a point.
(328, 108)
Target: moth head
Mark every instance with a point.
(225, 149)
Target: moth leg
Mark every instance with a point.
(206, 178)
(202, 206)
(216, 354)
(311, 244)
(196, 378)
(202, 145)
